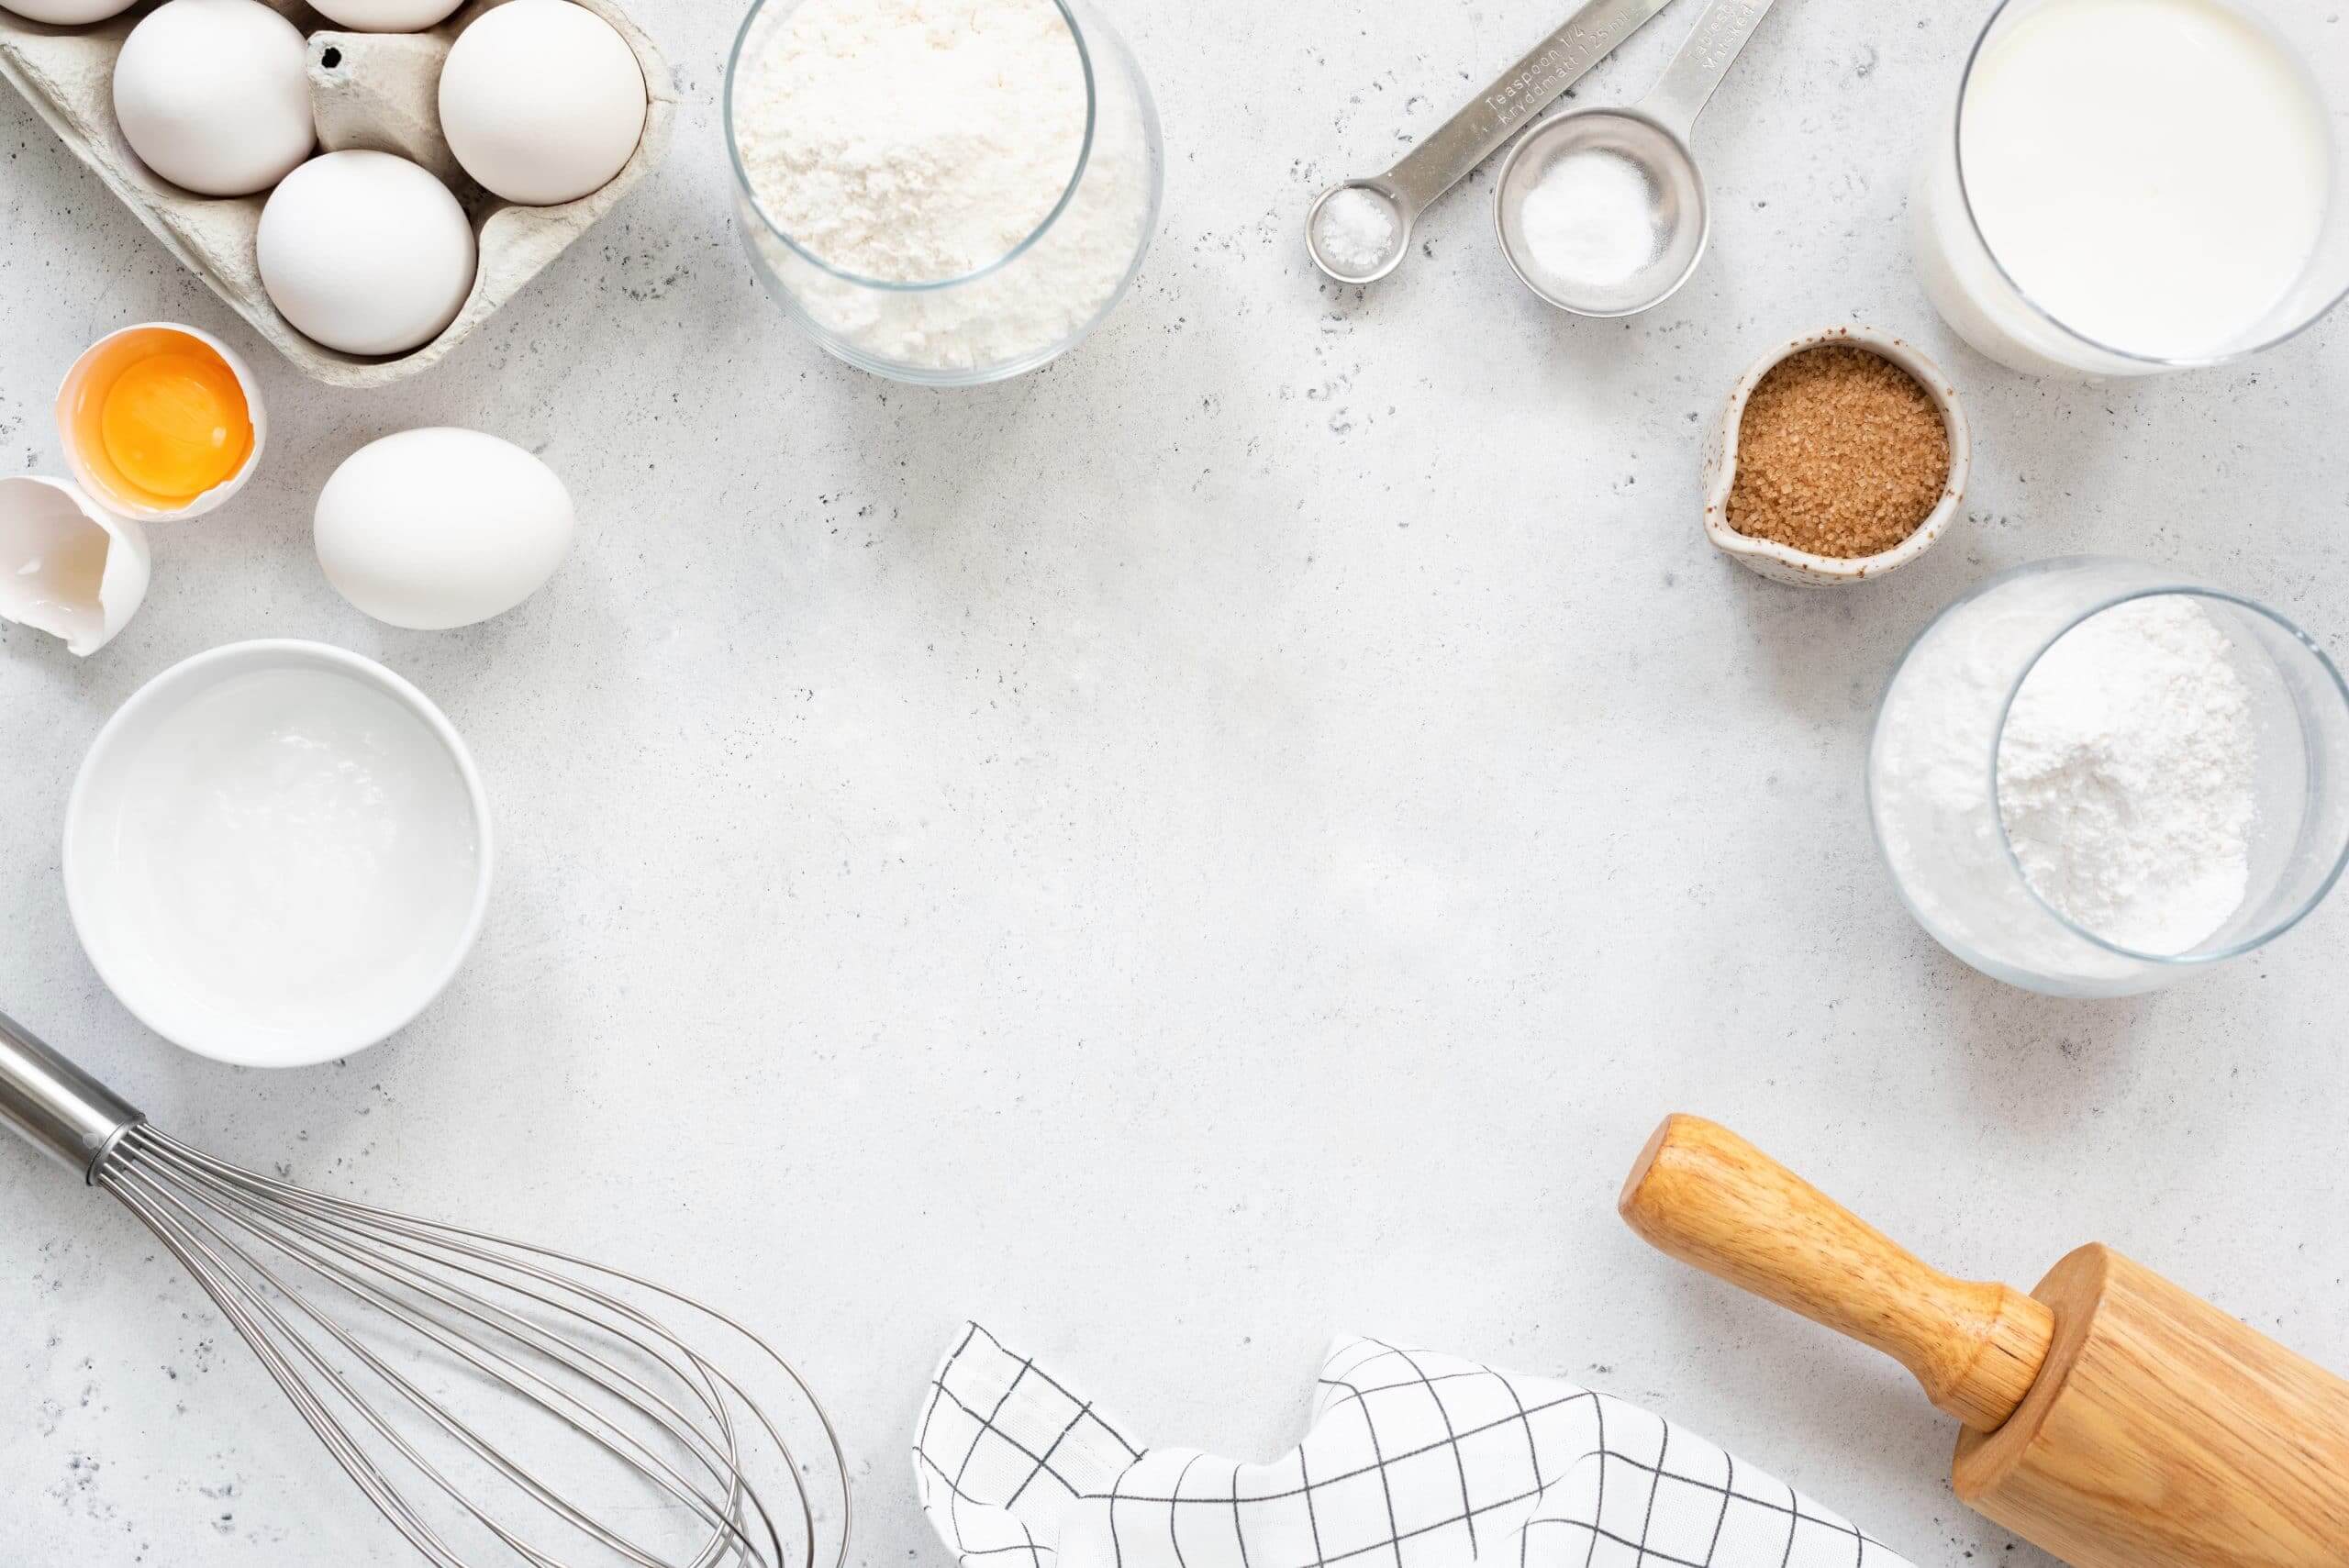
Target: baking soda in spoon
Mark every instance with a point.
(1591, 217)
(1356, 230)
(1366, 238)
(1580, 147)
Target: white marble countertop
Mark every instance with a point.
(1236, 837)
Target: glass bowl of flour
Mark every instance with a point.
(2090, 777)
(943, 192)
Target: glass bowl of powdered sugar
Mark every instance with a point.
(2090, 777)
(945, 191)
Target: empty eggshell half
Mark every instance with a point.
(66, 566)
(82, 404)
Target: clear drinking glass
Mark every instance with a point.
(1016, 312)
(1933, 792)
(1981, 300)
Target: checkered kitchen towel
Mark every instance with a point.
(1413, 1461)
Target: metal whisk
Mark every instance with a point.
(431, 1360)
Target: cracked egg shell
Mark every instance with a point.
(67, 566)
(161, 421)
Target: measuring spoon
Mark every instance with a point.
(1652, 137)
(1470, 137)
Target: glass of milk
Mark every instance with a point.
(2129, 186)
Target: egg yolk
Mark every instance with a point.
(175, 424)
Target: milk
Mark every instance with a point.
(2155, 174)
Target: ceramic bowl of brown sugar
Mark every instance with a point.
(1841, 456)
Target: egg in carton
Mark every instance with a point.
(369, 91)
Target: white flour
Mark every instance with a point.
(917, 141)
(2125, 776)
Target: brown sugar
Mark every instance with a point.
(1840, 452)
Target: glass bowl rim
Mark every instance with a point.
(750, 197)
(2251, 941)
(2258, 18)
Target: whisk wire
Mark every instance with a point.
(454, 1238)
(221, 1221)
(723, 1464)
(342, 1385)
(231, 1294)
(308, 1244)
(379, 1227)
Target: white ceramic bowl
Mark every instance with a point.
(1783, 563)
(277, 854)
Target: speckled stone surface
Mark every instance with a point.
(1235, 837)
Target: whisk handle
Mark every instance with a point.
(54, 1105)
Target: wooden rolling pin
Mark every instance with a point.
(2110, 1418)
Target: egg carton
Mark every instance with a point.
(368, 90)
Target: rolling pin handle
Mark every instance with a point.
(1705, 1195)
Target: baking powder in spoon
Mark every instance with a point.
(1591, 217)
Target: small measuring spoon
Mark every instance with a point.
(1391, 203)
(1652, 137)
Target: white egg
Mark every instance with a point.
(365, 253)
(69, 12)
(385, 15)
(542, 102)
(436, 528)
(214, 95)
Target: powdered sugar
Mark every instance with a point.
(2188, 689)
(2125, 776)
(922, 142)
